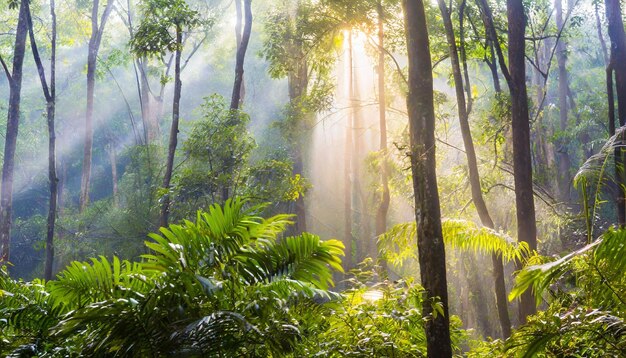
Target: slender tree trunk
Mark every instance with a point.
(236, 99)
(92, 58)
(463, 55)
(348, 172)
(148, 113)
(359, 201)
(383, 209)
(50, 96)
(238, 28)
(618, 66)
(171, 151)
(605, 51)
(474, 175)
(492, 36)
(298, 79)
(420, 103)
(62, 174)
(523, 172)
(113, 161)
(564, 159)
(6, 191)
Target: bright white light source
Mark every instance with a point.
(373, 295)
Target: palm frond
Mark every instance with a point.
(608, 253)
(576, 331)
(303, 258)
(400, 242)
(82, 283)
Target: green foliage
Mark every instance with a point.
(383, 320)
(26, 315)
(563, 331)
(218, 159)
(218, 150)
(222, 285)
(586, 316)
(162, 20)
(400, 242)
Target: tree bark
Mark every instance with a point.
(520, 124)
(618, 66)
(97, 29)
(171, 150)
(238, 28)
(13, 119)
(50, 96)
(420, 104)
(236, 99)
(472, 164)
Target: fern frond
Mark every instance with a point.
(82, 283)
(305, 258)
(400, 242)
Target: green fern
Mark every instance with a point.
(607, 255)
(400, 242)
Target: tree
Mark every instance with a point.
(474, 175)
(520, 124)
(160, 31)
(97, 30)
(13, 121)
(242, 47)
(564, 180)
(383, 208)
(295, 50)
(618, 66)
(49, 93)
(420, 103)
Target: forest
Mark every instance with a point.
(313, 178)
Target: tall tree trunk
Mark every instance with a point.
(236, 99)
(383, 209)
(171, 150)
(348, 172)
(113, 162)
(298, 81)
(50, 96)
(564, 159)
(97, 30)
(359, 201)
(13, 119)
(463, 55)
(618, 66)
(238, 28)
(605, 51)
(235, 102)
(420, 104)
(520, 124)
(149, 115)
(474, 175)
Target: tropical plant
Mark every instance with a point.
(223, 285)
(399, 243)
(587, 308)
(379, 320)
